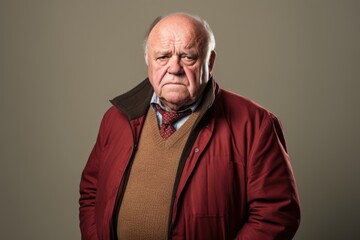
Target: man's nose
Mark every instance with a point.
(175, 66)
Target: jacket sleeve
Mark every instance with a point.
(88, 188)
(272, 199)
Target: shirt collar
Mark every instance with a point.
(156, 100)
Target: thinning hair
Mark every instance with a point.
(209, 40)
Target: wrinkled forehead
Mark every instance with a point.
(177, 30)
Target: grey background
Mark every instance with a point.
(60, 62)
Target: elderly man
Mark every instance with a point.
(177, 157)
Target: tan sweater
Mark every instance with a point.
(144, 210)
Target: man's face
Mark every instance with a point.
(177, 66)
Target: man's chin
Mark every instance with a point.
(175, 102)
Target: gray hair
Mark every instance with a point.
(210, 38)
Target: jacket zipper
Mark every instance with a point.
(184, 155)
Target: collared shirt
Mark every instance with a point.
(155, 100)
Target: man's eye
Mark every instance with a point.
(189, 58)
(162, 58)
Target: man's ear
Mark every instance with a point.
(146, 58)
(212, 61)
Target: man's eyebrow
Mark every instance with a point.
(186, 51)
(192, 52)
(162, 52)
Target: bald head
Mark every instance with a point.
(183, 21)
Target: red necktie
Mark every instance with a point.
(168, 118)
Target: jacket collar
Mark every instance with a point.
(136, 102)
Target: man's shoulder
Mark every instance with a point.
(238, 104)
(113, 114)
(241, 112)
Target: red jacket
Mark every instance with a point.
(234, 179)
